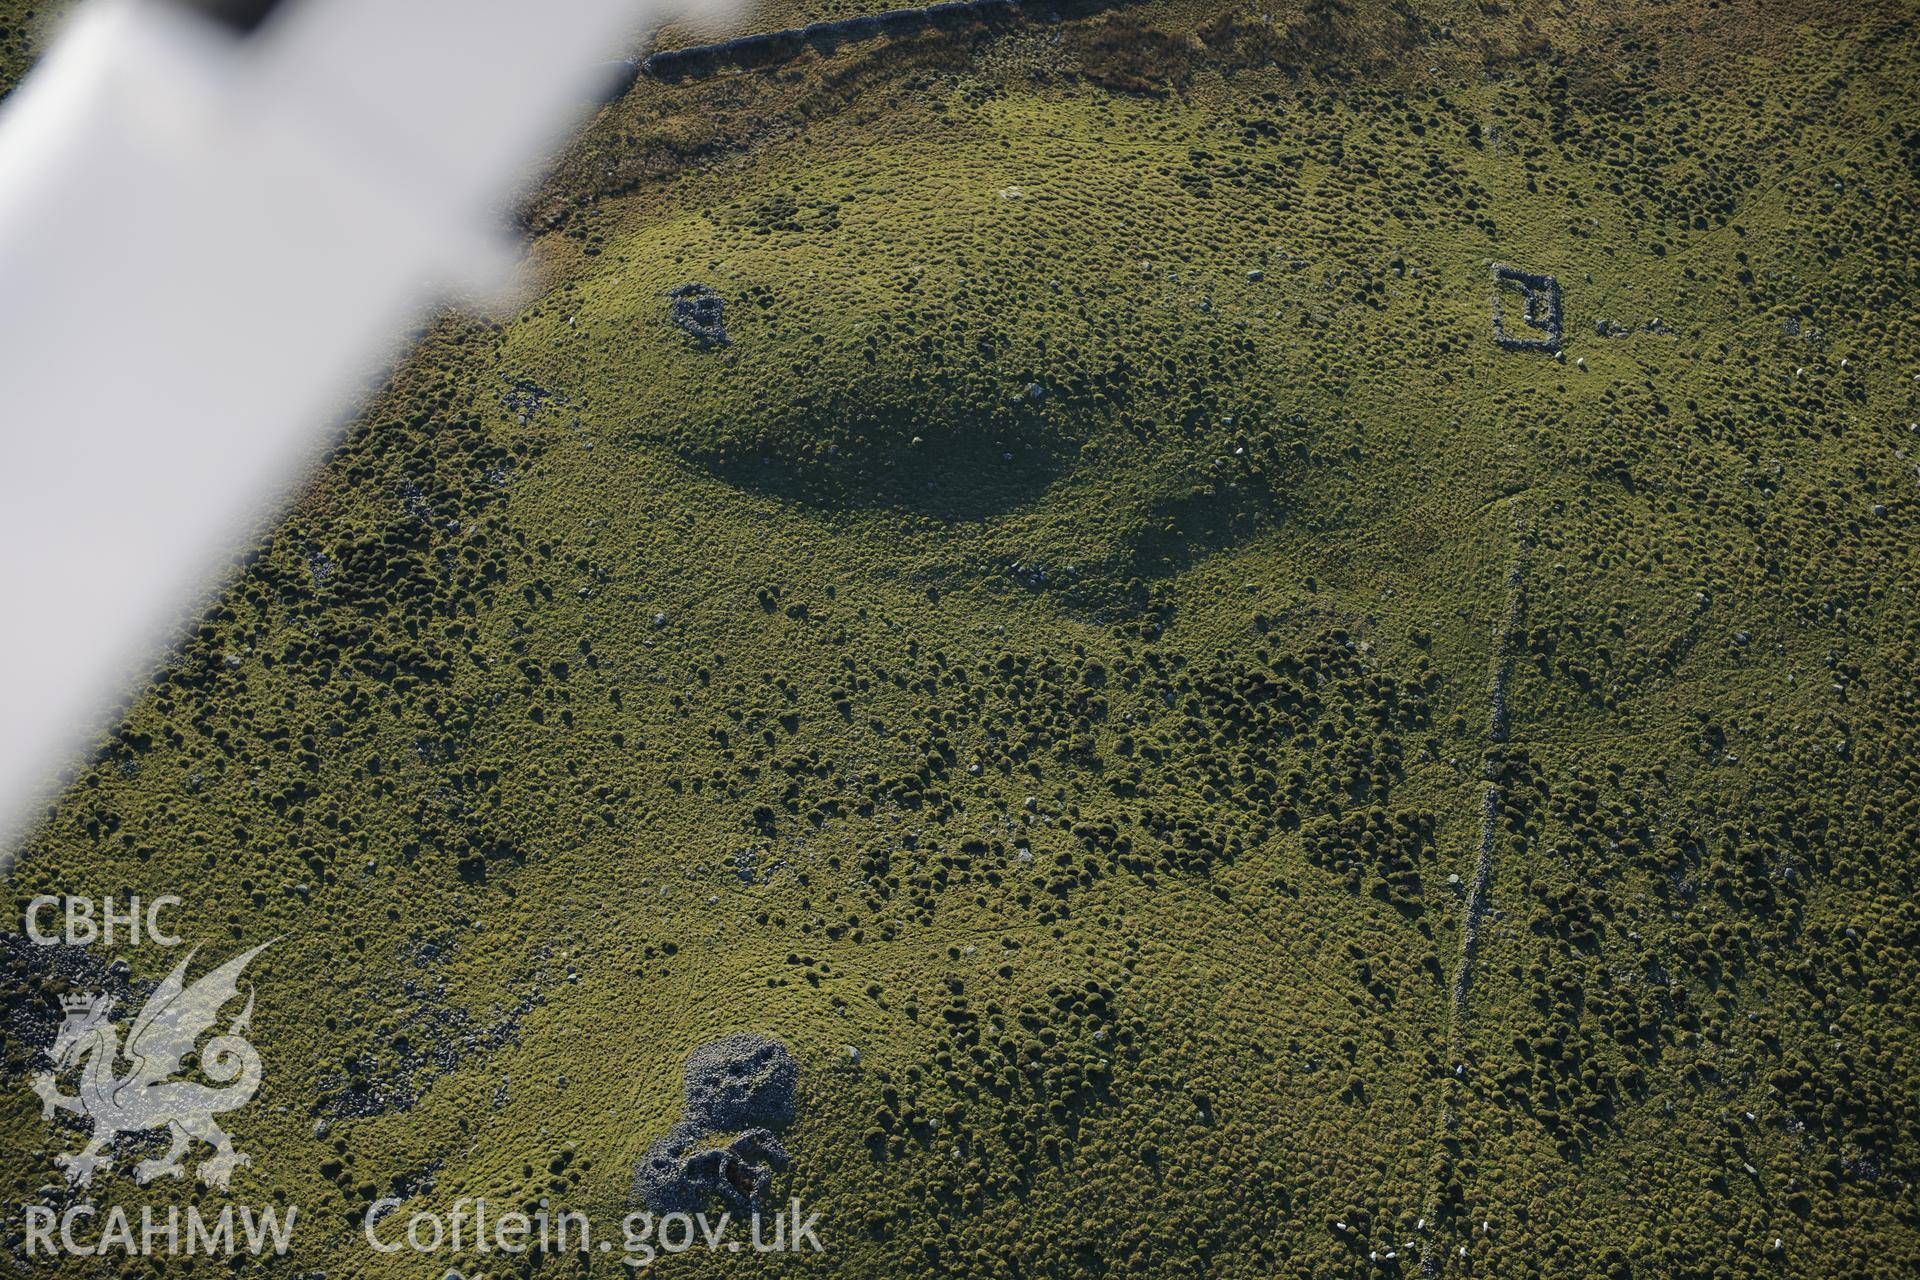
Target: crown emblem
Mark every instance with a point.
(80, 1001)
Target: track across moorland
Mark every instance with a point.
(1474, 909)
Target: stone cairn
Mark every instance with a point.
(739, 1089)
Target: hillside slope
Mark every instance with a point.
(1080, 656)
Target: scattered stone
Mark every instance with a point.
(433, 1038)
(524, 397)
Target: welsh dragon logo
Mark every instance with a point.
(147, 1096)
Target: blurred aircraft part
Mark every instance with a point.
(216, 218)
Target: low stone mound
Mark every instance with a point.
(740, 1081)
